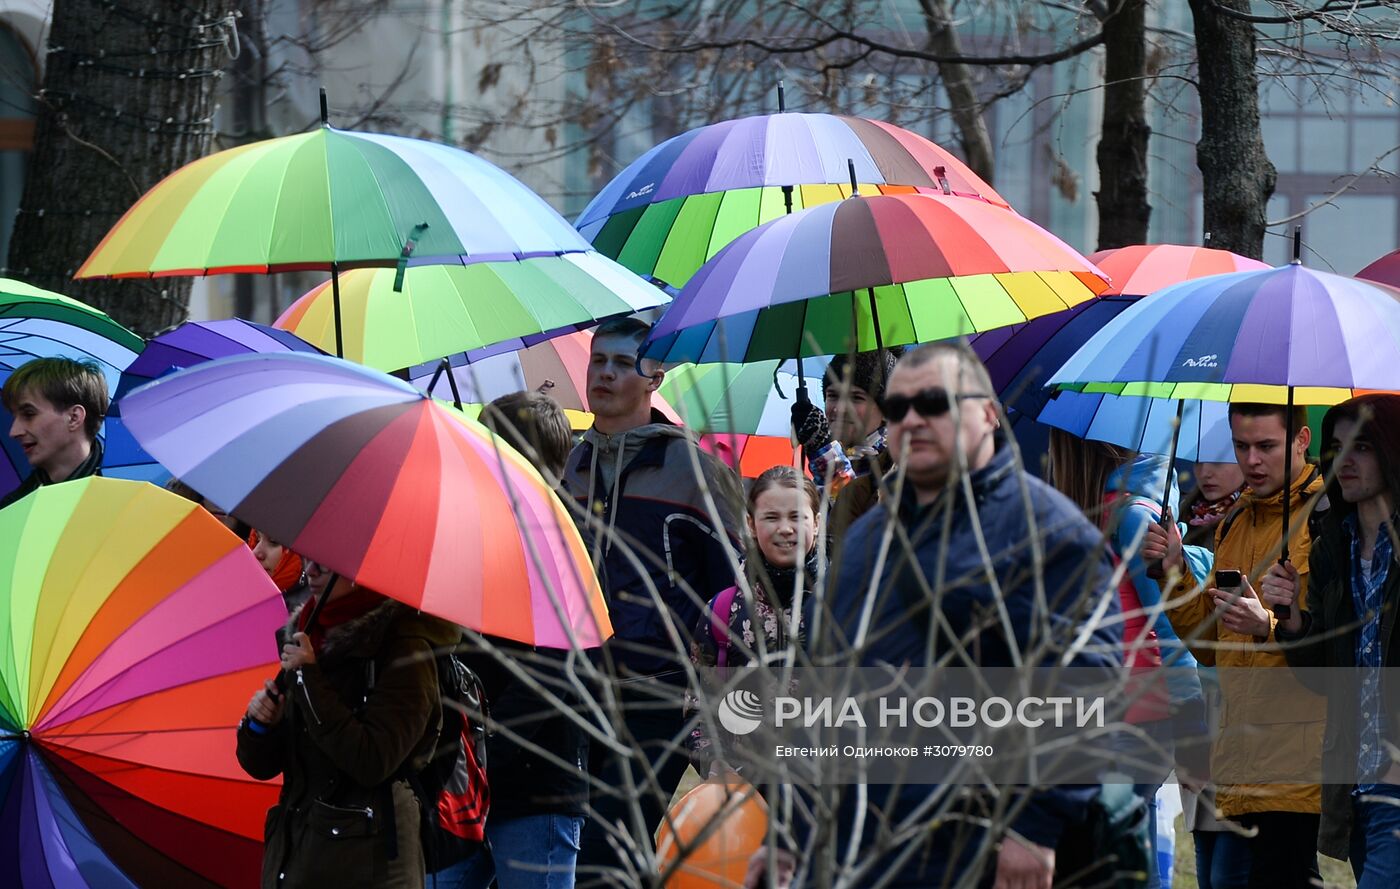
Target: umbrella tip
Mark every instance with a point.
(851, 166)
(325, 111)
(1297, 245)
(782, 98)
(1205, 241)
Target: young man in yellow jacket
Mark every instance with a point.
(1271, 725)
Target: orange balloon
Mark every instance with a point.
(714, 831)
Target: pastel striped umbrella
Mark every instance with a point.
(329, 199)
(195, 342)
(37, 323)
(365, 474)
(1290, 335)
(740, 399)
(870, 272)
(678, 204)
(135, 629)
(449, 310)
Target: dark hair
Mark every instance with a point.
(1080, 469)
(533, 424)
(1378, 418)
(64, 382)
(175, 486)
(785, 477)
(626, 326)
(1254, 409)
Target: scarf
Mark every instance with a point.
(354, 604)
(1207, 512)
(288, 570)
(781, 583)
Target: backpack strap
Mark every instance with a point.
(719, 624)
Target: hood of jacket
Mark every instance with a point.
(1145, 476)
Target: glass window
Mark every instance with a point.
(17, 88)
(1278, 240)
(1371, 137)
(1281, 141)
(1324, 148)
(1349, 232)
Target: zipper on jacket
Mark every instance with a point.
(301, 683)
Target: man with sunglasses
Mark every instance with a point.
(962, 494)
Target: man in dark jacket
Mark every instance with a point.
(1353, 597)
(58, 405)
(845, 444)
(943, 420)
(663, 521)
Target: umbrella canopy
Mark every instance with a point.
(365, 474)
(447, 310)
(135, 629)
(195, 342)
(929, 267)
(1021, 358)
(37, 323)
(558, 367)
(326, 199)
(677, 205)
(1248, 336)
(750, 455)
(744, 399)
(1385, 270)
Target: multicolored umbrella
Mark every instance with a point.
(135, 629)
(1385, 270)
(1022, 357)
(365, 474)
(37, 323)
(558, 367)
(751, 455)
(743, 399)
(926, 267)
(1287, 335)
(677, 205)
(195, 342)
(448, 310)
(329, 199)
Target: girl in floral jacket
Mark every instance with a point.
(757, 622)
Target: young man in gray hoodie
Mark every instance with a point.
(664, 528)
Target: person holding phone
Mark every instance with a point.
(1271, 726)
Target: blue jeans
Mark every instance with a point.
(1375, 848)
(528, 852)
(1222, 860)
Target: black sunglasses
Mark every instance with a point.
(932, 402)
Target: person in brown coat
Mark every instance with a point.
(361, 712)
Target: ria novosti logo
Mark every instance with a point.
(740, 712)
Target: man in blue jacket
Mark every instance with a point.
(943, 432)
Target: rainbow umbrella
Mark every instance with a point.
(135, 629)
(1385, 270)
(677, 205)
(750, 455)
(1289, 335)
(870, 272)
(37, 323)
(195, 342)
(361, 472)
(558, 367)
(1021, 358)
(448, 310)
(738, 399)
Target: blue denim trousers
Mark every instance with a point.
(528, 852)
(1375, 839)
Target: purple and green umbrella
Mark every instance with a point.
(1289, 335)
(871, 272)
(678, 204)
(195, 342)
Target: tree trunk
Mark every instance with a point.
(128, 98)
(1236, 173)
(965, 107)
(1122, 196)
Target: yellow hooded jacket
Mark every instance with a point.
(1271, 724)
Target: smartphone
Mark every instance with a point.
(1228, 579)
